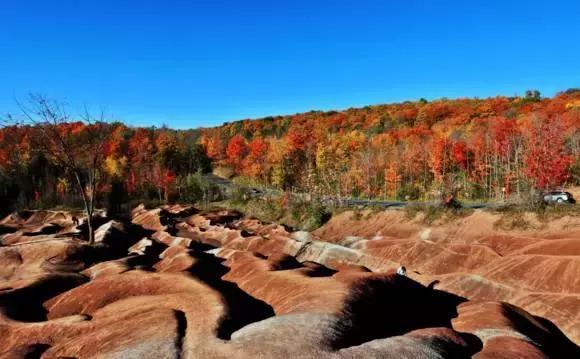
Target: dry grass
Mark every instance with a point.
(513, 220)
(436, 214)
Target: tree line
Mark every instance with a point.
(480, 149)
(49, 158)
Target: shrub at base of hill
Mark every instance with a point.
(408, 192)
(558, 211)
(432, 213)
(309, 215)
(240, 196)
(290, 210)
(513, 220)
(195, 188)
(264, 209)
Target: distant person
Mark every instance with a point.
(75, 221)
(402, 271)
(451, 202)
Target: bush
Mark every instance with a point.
(510, 221)
(196, 188)
(432, 213)
(559, 211)
(240, 195)
(533, 201)
(408, 192)
(309, 215)
(411, 211)
(264, 210)
(476, 191)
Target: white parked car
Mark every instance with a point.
(558, 197)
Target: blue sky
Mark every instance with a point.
(200, 63)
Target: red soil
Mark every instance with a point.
(264, 292)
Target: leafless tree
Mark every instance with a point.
(77, 146)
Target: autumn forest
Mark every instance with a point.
(481, 149)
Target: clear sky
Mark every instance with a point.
(200, 63)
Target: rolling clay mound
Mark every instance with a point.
(474, 258)
(177, 283)
(553, 274)
(555, 247)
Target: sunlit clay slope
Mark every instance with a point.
(536, 269)
(177, 283)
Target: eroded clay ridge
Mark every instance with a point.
(174, 283)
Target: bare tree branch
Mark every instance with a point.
(79, 152)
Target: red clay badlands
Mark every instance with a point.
(175, 283)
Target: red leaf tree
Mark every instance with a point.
(236, 151)
(547, 160)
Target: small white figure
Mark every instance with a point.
(402, 271)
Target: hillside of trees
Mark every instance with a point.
(480, 149)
